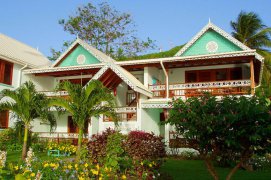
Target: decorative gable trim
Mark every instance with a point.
(124, 75)
(86, 46)
(222, 33)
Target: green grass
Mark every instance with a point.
(195, 169)
(169, 53)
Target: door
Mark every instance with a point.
(72, 128)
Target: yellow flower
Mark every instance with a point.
(142, 163)
(81, 178)
(52, 165)
(123, 177)
(76, 165)
(86, 165)
(46, 165)
(100, 178)
(94, 172)
(150, 165)
(98, 167)
(16, 167)
(69, 166)
(32, 174)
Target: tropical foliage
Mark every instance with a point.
(85, 102)
(233, 128)
(251, 31)
(28, 105)
(115, 164)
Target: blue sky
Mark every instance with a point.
(169, 22)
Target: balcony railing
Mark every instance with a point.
(60, 136)
(216, 88)
(124, 114)
(55, 93)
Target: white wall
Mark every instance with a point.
(121, 94)
(62, 124)
(42, 83)
(150, 120)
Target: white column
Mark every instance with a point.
(167, 129)
(146, 77)
(138, 115)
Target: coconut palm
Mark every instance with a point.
(85, 102)
(250, 30)
(28, 105)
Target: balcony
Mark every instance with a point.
(55, 93)
(216, 88)
(124, 114)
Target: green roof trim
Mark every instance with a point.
(200, 46)
(71, 59)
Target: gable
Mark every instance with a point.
(79, 56)
(210, 42)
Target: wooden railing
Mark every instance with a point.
(130, 97)
(124, 114)
(216, 88)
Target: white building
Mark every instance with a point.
(212, 61)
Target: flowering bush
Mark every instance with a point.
(122, 154)
(3, 158)
(62, 147)
(260, 162)
(82, 170)
(97, 144)
(142, 145)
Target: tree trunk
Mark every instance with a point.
(80, 137)
(211, 169)
(25, 142)
(233, 171)
(245, 157)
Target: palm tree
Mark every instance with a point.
(28, 105)
(250, 30)
(85, 102)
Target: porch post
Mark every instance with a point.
(166, 75)
(252, 80)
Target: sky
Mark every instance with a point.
(168, 22)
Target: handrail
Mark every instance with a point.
(172, 86)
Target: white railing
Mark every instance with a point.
(55, 93)
(195, 89)
(59, 135)
(124, 114)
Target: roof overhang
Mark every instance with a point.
(125, 76)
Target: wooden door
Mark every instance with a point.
(72, 128)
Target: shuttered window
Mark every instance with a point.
(3, 119)
(6, 70)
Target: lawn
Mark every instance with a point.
(195, 169)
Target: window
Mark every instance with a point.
(236, 73)
(221, 75)
(213, 75)
(205, 76)
(6, 70)
(4, 119)
(191, 77)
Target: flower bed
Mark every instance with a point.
(64, 149)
